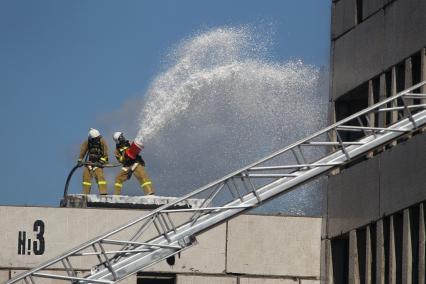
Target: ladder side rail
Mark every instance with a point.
(224, 179)
(276, 188)
(295, 145)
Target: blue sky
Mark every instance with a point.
(65, 65)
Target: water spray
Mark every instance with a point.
(221, 103)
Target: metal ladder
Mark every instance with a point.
(165, 231)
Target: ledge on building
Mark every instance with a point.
(125, 202)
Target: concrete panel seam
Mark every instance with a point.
(343, 34)
(230, 275)
(372, 15)
(354, 27)
(380, 185)
(257, 276)
(226, 246)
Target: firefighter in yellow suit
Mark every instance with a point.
(96, 149)
(130, 166)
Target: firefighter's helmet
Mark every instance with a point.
(116, 136)
(93, 133)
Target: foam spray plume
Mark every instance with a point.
(222, 103)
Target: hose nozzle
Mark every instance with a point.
(134, 150)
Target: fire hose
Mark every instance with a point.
(78, 165)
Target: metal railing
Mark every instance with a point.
(165, 231)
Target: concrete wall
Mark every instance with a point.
(253, 248)
(405, 31)
(66, 228)
(390, 32)
(370, 7)
(382, 185)
(4, 275)
(403, 175)
(244, 280)
(195, 279)
(353, 197)
(343, 17)
(265, 246)
(357, 56)
(360, 244)
(385, 38)
(391, 250)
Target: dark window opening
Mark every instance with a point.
(424, 220)
(359, 11)
(416, 68)
(386, 231)
(400, 77)
(400, 85)
(340, 256)
(348, 104)
(156, 278)
(376, 98)
(373, 236)
(398, 233)
(416, 72)
(361, 238)
(388, 76)
(414, 226)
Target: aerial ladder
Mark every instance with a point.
(165, 232)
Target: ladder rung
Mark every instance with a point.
(107, 262)
(116, 242)
(271, 175)
(361, 128)
(60, 277)
(401, 108)
(111, 252)
(205, 209)
(414, 96)
(292, 167)
(331, 143)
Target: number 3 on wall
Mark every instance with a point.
(38, 246)
(26, 246)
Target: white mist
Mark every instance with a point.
(223, 103)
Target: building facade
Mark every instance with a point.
(249, 249)
(374, 215)
(373, 227)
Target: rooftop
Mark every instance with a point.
(124, 201)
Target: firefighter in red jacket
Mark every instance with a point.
(130, 166)
(94, 150)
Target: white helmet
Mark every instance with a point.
(93, 133)
(116, 135)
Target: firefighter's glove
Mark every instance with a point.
(103, 160)
(79, 163)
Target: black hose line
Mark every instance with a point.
(67, 183)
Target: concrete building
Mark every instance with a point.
(374, 227)
(250, 249)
